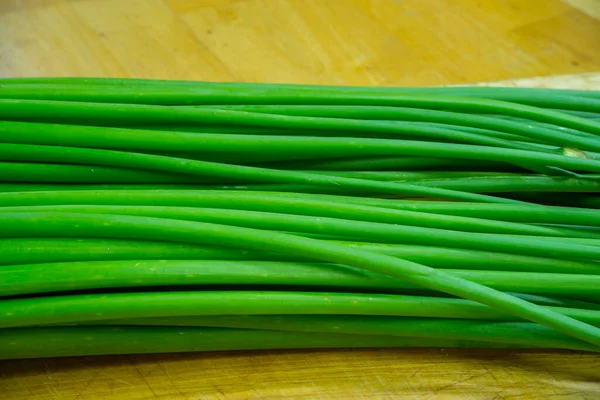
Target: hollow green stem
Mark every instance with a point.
(566, 248)
(35, 153)
(85, 341)
(93, 225)
(56, 277)
(521, 333)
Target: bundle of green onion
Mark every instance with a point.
(141, 216)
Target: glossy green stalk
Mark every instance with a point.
(521, 333)
(480, 90)
(35, 153)
(323, 146)
(59, 250)
(471, 91)
(56, 277)
(506, 187)
(484, 182)
(516, 213)
(93, 225)
(216, 95)
(277, 203)
(389, 163)
(75, 309)
(437, 175)
(566, 248)
(133, 114)
(69, 173)
(485, 125)
(144, 139)
(86, 341)
(448, 258)
(99, 194)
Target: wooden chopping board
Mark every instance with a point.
(206, 39)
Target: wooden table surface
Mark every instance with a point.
(361, 42)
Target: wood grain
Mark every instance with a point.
(349, 374)
(366, 42)
(337, 42)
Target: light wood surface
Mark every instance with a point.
(366, 42)
(339, 42)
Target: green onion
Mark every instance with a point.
(55, 250)
(77, 341)
(40, 278)
(212, 94)
(101, 113)
(524, 334)
(294, 205)
(93, 225)
(366, 231)
(160, 216)
(75, 309)
(24, 152)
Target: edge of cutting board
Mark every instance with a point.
(588, 81)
